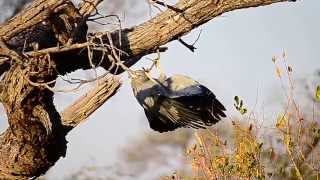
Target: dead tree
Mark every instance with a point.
(50, 38)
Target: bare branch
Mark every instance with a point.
(37, 13)
(90, 102)
(171, 25)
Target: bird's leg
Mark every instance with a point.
(162, 76)
(147, 73)
(156, 63)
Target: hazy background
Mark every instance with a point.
(233, 58)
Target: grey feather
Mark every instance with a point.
(178, 101)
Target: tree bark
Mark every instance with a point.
(31, 61)
(34, 140)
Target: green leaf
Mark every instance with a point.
(239, 105)
(243, 111)
(237, 99)
(318, 93)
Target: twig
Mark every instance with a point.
(168, 6)
(54, 50)
(190, 47)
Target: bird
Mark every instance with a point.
(175, 102)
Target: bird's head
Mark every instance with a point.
(139, 78)
(142, 78)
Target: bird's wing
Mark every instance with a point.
(159, 122)
(170, 105)
(179, 85)
(188, 91)
(209, 108)
(169, 114)
(195, 111)
(180, 114)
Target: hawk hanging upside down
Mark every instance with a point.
(175, 102)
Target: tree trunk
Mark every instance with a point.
(35, 139)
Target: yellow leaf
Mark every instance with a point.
(278, 72)
(281, 121)
(287, 140)
(318, 93)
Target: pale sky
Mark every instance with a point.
(233, 58)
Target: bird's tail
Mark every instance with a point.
(188, 112)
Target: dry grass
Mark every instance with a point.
(286, 150)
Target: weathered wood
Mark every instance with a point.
(43, 24)
(35, 139)
(38, 12)
(82, 108)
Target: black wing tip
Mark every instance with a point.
(214, 112)
(157, 125)
(162, 128)
(212, 98)
(219, 105)
(219, 108)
